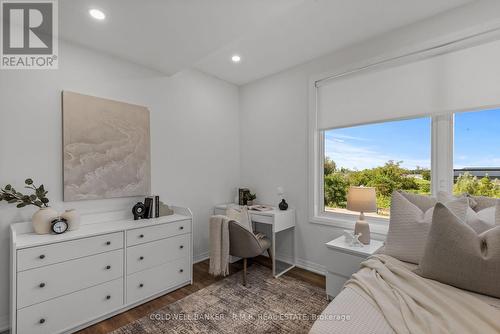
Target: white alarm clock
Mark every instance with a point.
(59, 225)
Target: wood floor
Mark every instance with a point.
(201, 279)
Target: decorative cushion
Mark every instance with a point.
(241, 216)
(483, 214)
(409, 224)
(456, 255)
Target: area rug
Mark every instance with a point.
(265, 305)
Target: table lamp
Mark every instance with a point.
(362, 199)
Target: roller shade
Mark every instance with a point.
(467, 79)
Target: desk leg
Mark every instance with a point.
(281, 266)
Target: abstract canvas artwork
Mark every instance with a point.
(106, 148)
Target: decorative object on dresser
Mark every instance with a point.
(148, 207)
(109, 265)
(165, 210)
(139, 210)
(73, 218)
(362, 199)
(91, 126)
(42, 218)
(343, 261)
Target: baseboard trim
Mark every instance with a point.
(4, 323)
(200, 257)
(311, 266)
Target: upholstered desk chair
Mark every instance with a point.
(243, 243)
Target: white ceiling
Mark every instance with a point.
(270, 35)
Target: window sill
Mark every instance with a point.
(347, 221)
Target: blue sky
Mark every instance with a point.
(477, 142)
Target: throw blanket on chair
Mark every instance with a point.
(413, 304)
(219, 245)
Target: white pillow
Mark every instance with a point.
(241, 216)
(409, 225)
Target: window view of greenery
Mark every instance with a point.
(477, 153)
(388, 156)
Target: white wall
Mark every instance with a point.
(194, 137)
(274, 117)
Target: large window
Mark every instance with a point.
(388, 156)
(476, 162)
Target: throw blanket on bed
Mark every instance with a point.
(219, 245)
(413, 304)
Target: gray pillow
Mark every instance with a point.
(411, 217)
(456, 255)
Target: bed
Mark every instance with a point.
(352, 313)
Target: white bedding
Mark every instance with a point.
(364, 318)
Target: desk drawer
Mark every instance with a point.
(144, 256)
(63, 313)
(35, 257)
(152, 233)
(261, 218)
(38, 285)
(146, 283)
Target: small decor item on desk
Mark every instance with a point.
(139, 210)
(362, 199)
(250, 198)
(165, 210)
(242, 196)
(283, 205)
(42, 218)
(59, 225)
(73, 218)
(260, 207)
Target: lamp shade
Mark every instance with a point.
(362, 199)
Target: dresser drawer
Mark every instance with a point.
(44, 255)
(40, 284)
(151, 254)
(66, 312)
(344, 264)
(146, 283)
(152, 233)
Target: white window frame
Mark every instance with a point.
(441, 167)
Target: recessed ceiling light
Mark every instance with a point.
(236, 58)
(97, 14)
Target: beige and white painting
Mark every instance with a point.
(106, 148)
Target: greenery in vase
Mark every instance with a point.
(251, 197)
(38, 199)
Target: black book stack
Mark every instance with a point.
(148, 203)
(157, 206)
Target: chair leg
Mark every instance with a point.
(245, 272)
(269, 251)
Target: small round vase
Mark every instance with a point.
(283, 205)
(73, 218)
(42, 218)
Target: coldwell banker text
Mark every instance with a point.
(29, 34)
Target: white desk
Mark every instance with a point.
(281, 223)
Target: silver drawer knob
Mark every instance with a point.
(42, 285)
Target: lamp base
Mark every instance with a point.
(362, 228)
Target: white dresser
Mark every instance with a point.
(62, 283)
